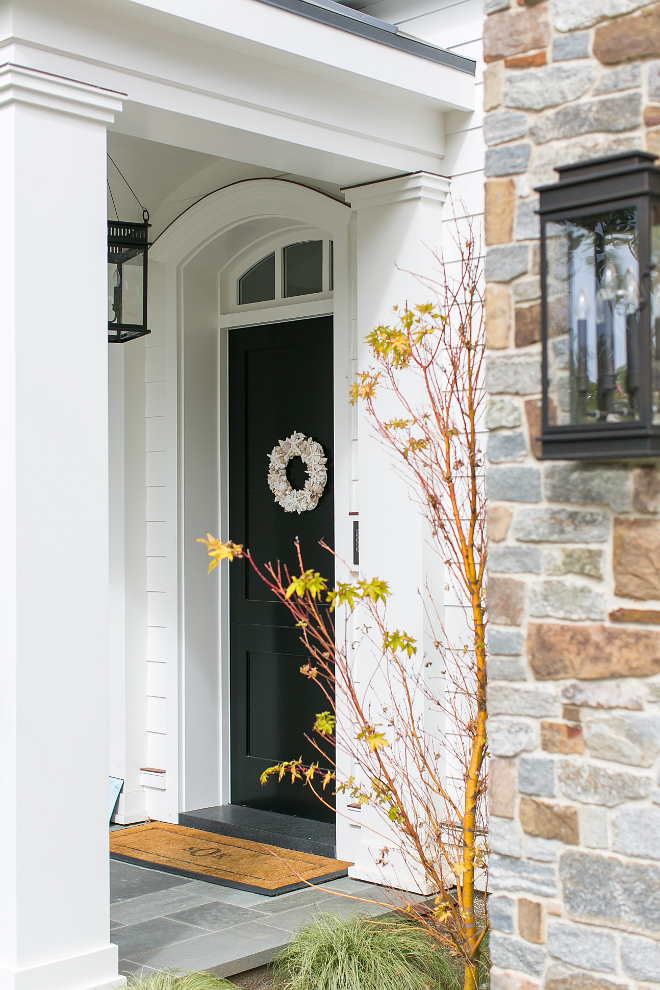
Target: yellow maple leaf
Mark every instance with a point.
(375, 740)
(218, 550)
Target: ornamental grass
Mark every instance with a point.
(355, 953)
(168, 979)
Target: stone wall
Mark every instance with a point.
(574, 585)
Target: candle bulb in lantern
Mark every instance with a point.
(605, 334)
(582, 377)
(631, 296)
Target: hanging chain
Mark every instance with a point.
(113, 200)
(145, 212)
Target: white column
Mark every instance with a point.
(399, 227)
(54, 910)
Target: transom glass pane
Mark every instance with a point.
(593, 307)
(258, 283)
(303, 268)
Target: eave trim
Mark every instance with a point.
(373, 29)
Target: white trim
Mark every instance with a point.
(154, 778)
(273, 243)
(233, 205)
(424, 186)
(274, 314)
(81, 971)
(285, 38)
(21, 85)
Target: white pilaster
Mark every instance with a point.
(399, 228)
(54, 910)
(128, 578)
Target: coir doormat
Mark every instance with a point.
(189, 852)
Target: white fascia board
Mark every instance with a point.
(281, 36)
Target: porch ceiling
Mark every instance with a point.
(168, 180)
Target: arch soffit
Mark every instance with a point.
(241, 203)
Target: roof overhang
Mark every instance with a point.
(248, 80)
(364, 26)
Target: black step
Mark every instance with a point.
(285, 831)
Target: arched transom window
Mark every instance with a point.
(300, 268)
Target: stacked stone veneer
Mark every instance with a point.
(574, 560)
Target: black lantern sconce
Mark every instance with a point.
(600, 270)
(127, 279)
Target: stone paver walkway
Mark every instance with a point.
(159, 920)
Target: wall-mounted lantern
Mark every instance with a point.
(600, 269)
(128, 245)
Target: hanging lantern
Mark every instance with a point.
(127, 279)
(600, 264)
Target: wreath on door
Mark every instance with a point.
(311, 454)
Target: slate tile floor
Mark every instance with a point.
(159, 920)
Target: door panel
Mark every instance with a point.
(280, 381)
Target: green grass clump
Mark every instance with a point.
(356, 953)
(167, 979)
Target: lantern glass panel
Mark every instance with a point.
(593, 310)
(655, 309)
(126, 286)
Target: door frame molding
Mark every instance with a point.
(185, 263)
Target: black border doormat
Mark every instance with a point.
(222, 859)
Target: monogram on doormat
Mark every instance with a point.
(221, 859)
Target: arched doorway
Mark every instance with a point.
(196, 270)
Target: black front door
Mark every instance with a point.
(280, 382)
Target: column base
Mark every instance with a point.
(90, 971)
(131, 808)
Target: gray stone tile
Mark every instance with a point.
(128, 881)
(215, 916)
(197, 925)
(291, 921)
(370, 891)
(349, 885)
(162, 902)
(114, 925)
(231, 951)
(148, 935)
(242, 898)
(296, 899)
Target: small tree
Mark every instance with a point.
(430, 361)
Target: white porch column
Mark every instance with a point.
(54, 906)
(399, 226)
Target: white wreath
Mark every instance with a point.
(311, 454)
